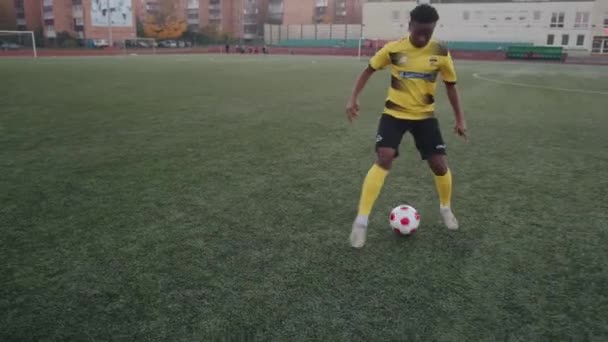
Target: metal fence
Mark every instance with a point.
(322, 33)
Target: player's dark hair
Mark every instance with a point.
(424, 14)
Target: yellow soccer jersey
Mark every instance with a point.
(413, 76)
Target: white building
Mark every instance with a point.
(576, 24)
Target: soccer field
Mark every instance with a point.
(191, 198)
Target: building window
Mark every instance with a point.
(522, 18)
(557, 19)
(565, 39)
(395, 15)
(580, 40)
(550, 39)
(536, 15)
(466, 15)
(596, 47)
(606, 20)
(508, 18)
(581, 20)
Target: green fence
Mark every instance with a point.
(351, 43)
(483, 46)
(536, 52)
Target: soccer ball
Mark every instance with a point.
(404, 220)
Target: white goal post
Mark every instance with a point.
(18, 41)
(140, 45)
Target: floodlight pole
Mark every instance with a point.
(109, 13)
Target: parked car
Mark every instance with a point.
(100, 43)
(9, 46)
(168, 44)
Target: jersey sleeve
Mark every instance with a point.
(381, 59)
(447, 70)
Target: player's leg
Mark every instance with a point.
(390, 132)
(432, 149)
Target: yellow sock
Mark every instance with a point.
(444, 188)
(371, 189)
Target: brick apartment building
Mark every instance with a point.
(290, 12)
(22, 15)
(239, 18)
(88, 20)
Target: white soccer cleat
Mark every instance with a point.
(358, 235)
(449, 219)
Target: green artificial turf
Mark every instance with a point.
(189, 198)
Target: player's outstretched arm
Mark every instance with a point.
(460, 127)
(352, 107)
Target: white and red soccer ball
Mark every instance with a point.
(404, 220)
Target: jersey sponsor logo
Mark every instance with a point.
(429, 77)
(402, 60)
(379, 138)
(440, 147)
(433, 61)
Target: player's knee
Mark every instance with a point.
(438, 165)
(385, 159)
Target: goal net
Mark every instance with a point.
(18, 44)
(369, 47)
(140, 46)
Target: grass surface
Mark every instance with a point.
(186, 198)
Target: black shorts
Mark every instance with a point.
(426, 133)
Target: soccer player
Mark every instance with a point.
(415, 62)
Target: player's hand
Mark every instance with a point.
(352, 110)
(460, 128)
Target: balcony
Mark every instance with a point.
(77, 13)
(192, 4)
(77, 2)
(250, 19)
(21, 22)
(193, 21)
(216, 7)
(47, 3)
(48, 16)
(215, 15)
(321, 3)
(51, 34)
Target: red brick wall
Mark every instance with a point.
(33, 14)
(62, 10)
(298, 12)
(8, 19)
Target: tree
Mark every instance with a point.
(166, 24)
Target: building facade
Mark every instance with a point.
(21, 15)
(572, 24)
(298, 12)
(238, 18)
(89, 19)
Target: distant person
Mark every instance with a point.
(227, 48)
(265, 50)
(414, 62)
